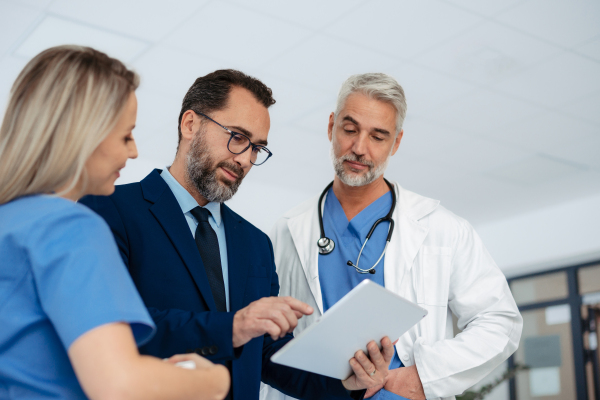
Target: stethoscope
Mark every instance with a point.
(327, 245)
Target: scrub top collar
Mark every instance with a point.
(360, 225)
(185, 199)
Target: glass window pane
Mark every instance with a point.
(589, 279)
(546, 347)
(540, 288)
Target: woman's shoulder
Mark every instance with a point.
(28, 212)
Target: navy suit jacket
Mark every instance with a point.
(160, 252)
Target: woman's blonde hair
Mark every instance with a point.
(63, 104)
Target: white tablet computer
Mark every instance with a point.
(368, 312)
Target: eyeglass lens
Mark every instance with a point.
(239, 143)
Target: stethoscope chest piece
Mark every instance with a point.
(325, 245)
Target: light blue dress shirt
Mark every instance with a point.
(187, 204)
(336, 277)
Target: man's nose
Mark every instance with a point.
(359, 146)
(244, 159)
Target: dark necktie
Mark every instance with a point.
(208, 246)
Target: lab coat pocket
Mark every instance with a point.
(432, 274)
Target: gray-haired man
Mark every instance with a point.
(434, 258)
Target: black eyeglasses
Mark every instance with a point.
(239, 143)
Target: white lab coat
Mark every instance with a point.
(434, 259)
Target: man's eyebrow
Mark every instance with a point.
(249, 134)
(355, 122)
(349, 118)
(383, 131)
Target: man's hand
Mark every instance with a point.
(404, 382)
(273, 315)
(370, 371)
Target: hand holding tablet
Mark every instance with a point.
(367, 313)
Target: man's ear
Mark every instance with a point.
(188, 121)
(397, 141)
(330, 126)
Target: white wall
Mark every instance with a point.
(551, 237)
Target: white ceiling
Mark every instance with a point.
(503, 95)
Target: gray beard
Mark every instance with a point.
(354, 179)
(203, 177)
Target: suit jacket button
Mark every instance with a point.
(213, 350)
(198, 351)
(205, 351)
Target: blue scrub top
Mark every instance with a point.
(61, 275)
(336, 277)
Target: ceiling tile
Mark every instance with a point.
(422, 138)
(293, 100)
(551, 133)
(566, 23)
(40, 4)
(476, 155)
(316, 121)
(299, 161)
(312, 14)
(590, 49)
(156, 113)
(151, 20)
(53, 31)
(487, 53)
(171, 71)
(585, 151)
(15, 21)
(324, 63)
(485, 7)
(586, 107)
(535, 170)
(424, 177)
(425, 88)
(558, 80)
(238, 35)
(402, 28)
(482, 111)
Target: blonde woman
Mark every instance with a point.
(70, 316)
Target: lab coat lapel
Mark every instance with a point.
(237, 260)
(408, 236)
(305, 232)
(168, 213)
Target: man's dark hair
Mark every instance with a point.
(210, 92)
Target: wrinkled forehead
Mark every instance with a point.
(367, 111)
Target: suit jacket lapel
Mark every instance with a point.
(168, 213)
(237, 261)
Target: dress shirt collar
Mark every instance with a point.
(185, 199)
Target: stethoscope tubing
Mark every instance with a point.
(327, 245)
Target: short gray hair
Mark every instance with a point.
(377, 86)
